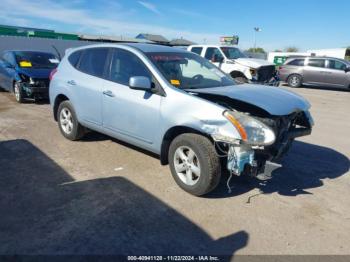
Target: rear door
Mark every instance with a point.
(315, 71)
(86, 84)
(336, 75)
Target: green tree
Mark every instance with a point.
(256, 50)
(292, 49)
(278, 50)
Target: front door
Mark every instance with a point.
(215, 56)
(337, 76)
(133, 114)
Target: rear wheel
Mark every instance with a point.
(194, 163)
(68, 122)
(17, 90)
(294, 80)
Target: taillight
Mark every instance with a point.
(280, 68)
(53, 72)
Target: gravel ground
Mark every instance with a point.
(101, 196)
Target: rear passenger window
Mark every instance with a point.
(74, 58)
(125, 65)
(93, 61)
(297, 62)
(197, 50)
(316, 62)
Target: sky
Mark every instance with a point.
(305, 24)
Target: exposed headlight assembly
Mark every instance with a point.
(24, 78)
(251, 130)
(253, 71)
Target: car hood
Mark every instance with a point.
(253, 62)
(36, 72)
(274, 100)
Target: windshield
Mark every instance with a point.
(36, 60)
(232, 52)
(189, 71)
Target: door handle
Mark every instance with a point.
(71, 82)
(108, 93)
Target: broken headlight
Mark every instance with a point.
(251, 130)
(24, 77)
(253, 71)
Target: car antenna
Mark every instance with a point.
(58, 53)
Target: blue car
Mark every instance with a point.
(26, 73)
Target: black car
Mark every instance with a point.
(26, 73)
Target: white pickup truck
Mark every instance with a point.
(232, 61)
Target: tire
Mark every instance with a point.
(17, 91)
(294, 80)
(201, 173)
(68, 122)
(241, 80)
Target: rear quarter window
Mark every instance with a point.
(197, 50)
(93, 61)
(74, 58)
(296, 62)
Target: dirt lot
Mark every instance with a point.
(100, 196)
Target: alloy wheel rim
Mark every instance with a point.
(66, 121)
(187, 165)
(295, 80)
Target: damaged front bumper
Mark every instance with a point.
(273, 81)
(35, 89)
(252, 160)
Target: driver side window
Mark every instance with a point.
(337, 65)
(124, 65)
(212, 52)
(9, 58)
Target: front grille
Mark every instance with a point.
(265, 73)
(41, 82)
(286, 128)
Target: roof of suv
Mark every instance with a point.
(316, 57)
(145, 48)
(149, 48)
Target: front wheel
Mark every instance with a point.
(194, 163)
(241, 80)
(68, 122)
(17, 90)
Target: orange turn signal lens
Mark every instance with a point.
(238, 126)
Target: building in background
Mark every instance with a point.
(181, 42)
(159, 39)
(35, 32)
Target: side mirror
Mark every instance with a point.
(140, 83)
(347, 69)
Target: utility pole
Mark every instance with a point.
(256, 29)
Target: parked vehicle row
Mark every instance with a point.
(178, 105)
(26, 73)
(316, 71)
